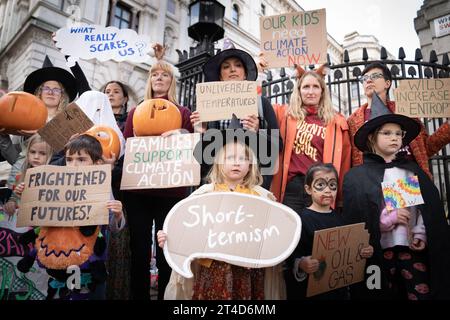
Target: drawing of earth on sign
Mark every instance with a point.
(240, 229)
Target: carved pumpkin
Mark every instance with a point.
(22, 111)
(108, 138)
(155, 116)
(61, 247)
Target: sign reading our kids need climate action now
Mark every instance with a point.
(65, 196)
(294, 38)
(102, 43)
(160, 162)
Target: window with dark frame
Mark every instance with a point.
(122, 16)
(235, 14)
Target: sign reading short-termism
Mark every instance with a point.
(160, 162)
(294, 38)
(220, 99)
(65, 196)
(423, 98)
(103, 43)
(240, 229)
(340, 264)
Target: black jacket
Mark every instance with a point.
(363, 202)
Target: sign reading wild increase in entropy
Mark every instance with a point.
(244, 230)
(65, 196)
(340, 264)
(160, 162)
(423, 98)
(218, 100)
(294, 38)
(102, 43)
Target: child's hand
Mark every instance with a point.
(417, 245)
(262, 63)
(18, 190)
(251, 123)
(116, 207)
(309, 265)
(172, 132)
(366, 252)
(195, 121)
(403, 216)
(10, 207)
(162, 238)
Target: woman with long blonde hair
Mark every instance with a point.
(312, 132)
(144, 206)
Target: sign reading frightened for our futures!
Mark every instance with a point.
(65, 196)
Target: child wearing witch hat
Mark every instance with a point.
(412, 244)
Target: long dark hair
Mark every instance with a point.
(124, 90)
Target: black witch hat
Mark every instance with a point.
(380, 114)
(50, 73)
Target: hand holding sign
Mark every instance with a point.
(240, 229)
(92, 41)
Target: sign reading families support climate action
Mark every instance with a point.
(423, 98)
(241, 229)
(65, 196)
(64, 125)
(294, 38)
(102, 43)
(160, 162)
(219, 100)
(340, 264)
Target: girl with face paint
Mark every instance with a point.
(321, 183)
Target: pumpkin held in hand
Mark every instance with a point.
(108, 138)
(156, 116)
(22, 111)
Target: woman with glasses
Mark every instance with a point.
(376, 78)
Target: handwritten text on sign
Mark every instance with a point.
(110, 43)
(160, 162)
(240, 229)
(65, 196)
(294, 38)
(219, 100)
(340, 264)
(402, 193)
(424, 98)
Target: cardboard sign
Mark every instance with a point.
(402, 193)
(58, 131)
(158, 162)
(220, 99)
(102, 43)
(423, 98)
(294, 38)
(65, 196)
(240, 229)
(337, 250)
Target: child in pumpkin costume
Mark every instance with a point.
(81, 246)
(234, 170)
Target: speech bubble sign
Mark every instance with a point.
(103, 43)
(240, 229)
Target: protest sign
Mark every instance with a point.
(220, 99)
(423, 98)
(340, 264)
(244, 230)
(402, 193)
(64, 125)
(160, 162)
(442, 26)
(294, 38)
(102, 43)
(65, 196)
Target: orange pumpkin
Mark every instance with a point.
(155, 116)
(108, 138)
(61, 247)
(22, 111)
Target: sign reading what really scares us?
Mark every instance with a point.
(102, 43)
